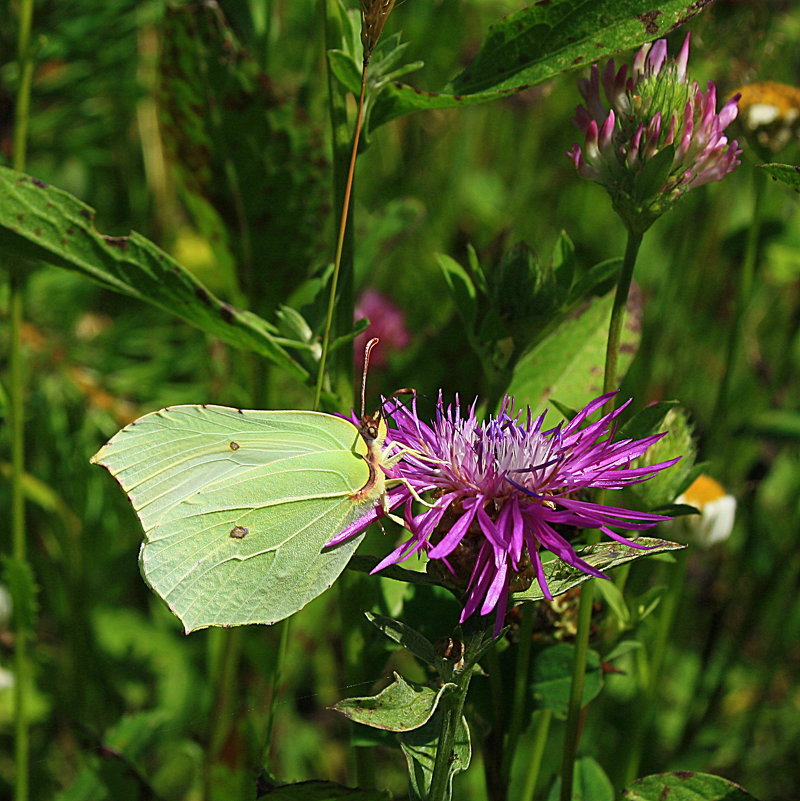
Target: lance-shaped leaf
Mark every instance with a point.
(402, 706)
(41, 223)
(419, 747)
(539, 42)
(562, 577)
(417, 643)
(685, 785)
(787, 173)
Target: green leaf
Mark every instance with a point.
(613, 596)
(653, 176)
(345, 70)
(621, 648)
(645, 604)
(402, 706)
(418, 644)
(323, 791)
(568, 363)
(685, 785)
(590, 783)
(551, 678)
(647, 421)
(461, 288)
(42, 223)
(237, 507)
(419, 748)
(562, 577)
(677, 510)
(538, 43)
(781, 424)
(788, 174)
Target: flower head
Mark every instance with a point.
(374, 14)
(770, 113)
(717, 512)
(504, 490)
(387, 322)
(660, 136)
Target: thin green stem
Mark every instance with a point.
(277, 679)
(521, 671)
(343, 227)
(618, 315)
(495, 750)
(541, 731)
(572, 735)
(22, 667)
(646, 706)
(743, 294)
(228, 650)
(452, 709)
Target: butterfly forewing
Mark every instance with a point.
(238, 505)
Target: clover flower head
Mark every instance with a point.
(657, 136)
(504, 490)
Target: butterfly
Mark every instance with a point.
(238, 505)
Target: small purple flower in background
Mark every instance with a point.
(504, 489)
(386, 321)
(654, 110)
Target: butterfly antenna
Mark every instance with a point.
(367, 350)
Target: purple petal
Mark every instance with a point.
(456, 533)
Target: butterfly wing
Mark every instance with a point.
(237, 506)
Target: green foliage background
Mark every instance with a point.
(124, 703)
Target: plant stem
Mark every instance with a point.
(743, 294)
(618, 315)
(352, 646)
(22, 667)
(537, 751)
(452, 707)
(520, 691)
(277, 679)
(645, 709)
(572, 735)
(228, 644)
(340, 265)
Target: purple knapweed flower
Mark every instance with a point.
(654, 110)
(503, 490)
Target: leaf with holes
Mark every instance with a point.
(537, 43)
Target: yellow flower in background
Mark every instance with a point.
(717, 512)
(770, 113)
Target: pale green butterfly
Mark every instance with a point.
(237, 505)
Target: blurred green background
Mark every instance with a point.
(124, 702)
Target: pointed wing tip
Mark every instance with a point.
(97, 458)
